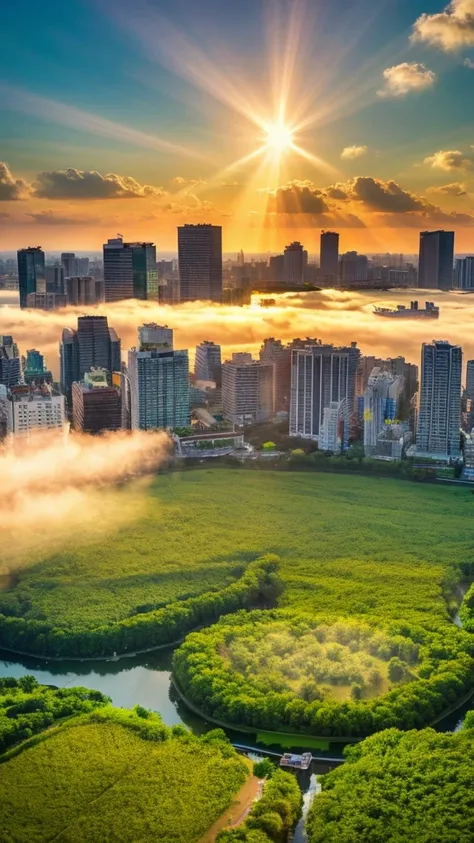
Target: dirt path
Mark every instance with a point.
(236, 814)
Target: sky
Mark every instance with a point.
(272, 118)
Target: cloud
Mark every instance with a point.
(469, 63)
(50, 218)
(448, 160)
(450, 29)
(387, 196)
(297, 197)
(453, 189)
(11, 188)
(183, 183)
(402, 79)
(89, 184)
(351, 152)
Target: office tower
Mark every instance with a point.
(273, 351)
(329, 256)
(335, 427)
(464, 273)
(320, 374)
(130, 270)
(69, 264)
(159, 382)
(5, 413)
(439, 415)
(276, 269)
(10, 362)
(294, 264)
(200, 262)
(168, 291)
(99, 345)
(46, 301)
(69, 361)
(247, 391)
(54, 278)
(84, 290)
(470, 379)
(153, 337)
(435, 269)
(36, 409)
(354, 268)
(208, 362)
(96, 406)
(380, 405)
(31, 272)
(34, 369)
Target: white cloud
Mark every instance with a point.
(451, 29)
(469, 63)
(449, 160)
(351, 152)
(453, 189)
(402, 79)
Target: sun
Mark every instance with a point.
(278, 137)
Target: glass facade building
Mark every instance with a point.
(31, 272)
(439, 418)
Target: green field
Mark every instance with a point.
(115, 776)
(361, 544)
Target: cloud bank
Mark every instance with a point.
(450, 29)
(89, 184)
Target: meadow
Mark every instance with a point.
(118, 775)
(361, 544)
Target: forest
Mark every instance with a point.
(118, 775)
(397, 787)
(27, 708)
(427, 671)
(273, 817)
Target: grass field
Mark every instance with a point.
(359, 544)
(101, 781)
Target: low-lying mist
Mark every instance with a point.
(57, 489)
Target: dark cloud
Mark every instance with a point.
(378, 195)
(11, 188)
(50, 218)
(297, 197)
(336, 192)
(89, 184)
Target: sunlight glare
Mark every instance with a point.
(279, 137)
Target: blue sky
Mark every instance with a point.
(194, 79)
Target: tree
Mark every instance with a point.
(264, 769)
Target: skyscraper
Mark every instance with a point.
(130, 270)
(294, 264)
(34, 370)
(439, 415)
(320, 375)
(380, 405)
(208, 363)
(470, 379)
(69, 264)
(10, 362)
(84, 290)
(94, 344)
(96, 405)
(31, 272)
(354, 267)
(200, 262)
(329, 256)
(247, 390)
(54, 278)
(159, 382)
(464, 273)
(435, 268)
(273, 351)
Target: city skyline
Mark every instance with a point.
(272, 120)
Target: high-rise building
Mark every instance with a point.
(200, 262)
(99, 345)
(329, 257)
(69, 264)
(247, 391)
(208, 362)
(35, 409)
(464, 273)
(34, 369)
(276, 268)
(69, 361)
(294, 263)
(84, 290)
(130, 270)
(31, 272)
(46, 301)
(159, 381)
(380, 405)
(10, 362)
(96, 406)
(439, 417)
(320, 374)
(354, 268)
(470, 379)
(273, 351)
(335, 428)
(54, 274)
(436, 259)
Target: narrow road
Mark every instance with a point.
(238, 811)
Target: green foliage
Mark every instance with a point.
(469, 720)
(273, 817)
(397, 787)
(259, 586)
(269, 446)
(27, 708)
(241, 692)
(467, 610)
(264, 769)
(116, 776)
